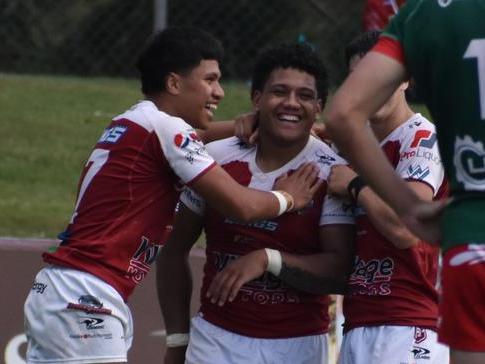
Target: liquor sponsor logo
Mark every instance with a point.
(469, 161)
(420, 153)
(92, 323)
(420, 353)
(39, 287)
(415, 171)
(424, 139)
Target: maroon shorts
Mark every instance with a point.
(462, 307)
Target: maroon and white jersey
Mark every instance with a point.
(127, 195)
(391, 286)
(266, 307)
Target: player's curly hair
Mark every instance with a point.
(361, 44)
(175, 49)
(300, 56)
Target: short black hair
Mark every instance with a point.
(362, 44)
(175, 49)
(300, 56)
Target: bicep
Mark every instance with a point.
(370, 85)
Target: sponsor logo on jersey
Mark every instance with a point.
(39, 287)
(415, 124)
(144, 256)
(415, 171)
(264, 290)
(420, 353)
(424, 139)
(91, 336)
(113, 134)
(419, 335)
(324, 158)
(92, 323)
(420, 153)
(371, 278)
(474, 255)
(267, 225)
(89, 304)
(183, 140)
(469, 161)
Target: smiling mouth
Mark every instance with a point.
(211, 107)
(291, 118)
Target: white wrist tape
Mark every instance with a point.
(275, 261)
(282, 200)
(175, 340)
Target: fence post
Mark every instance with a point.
(159, 15)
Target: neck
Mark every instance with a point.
(163, 104)
(383, 127)
(272, 155)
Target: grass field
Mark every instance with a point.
(48, 126)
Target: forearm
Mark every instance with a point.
(317, 273)
(174, 294)
(217, 130)
(385, 220)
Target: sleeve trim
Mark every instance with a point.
(203, 172)
(390, 47)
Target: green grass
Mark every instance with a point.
(48, 126)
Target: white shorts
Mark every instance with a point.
(74, 317)
(392, 345)
(210, 344)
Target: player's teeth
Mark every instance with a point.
(212, 106)
(289, 117)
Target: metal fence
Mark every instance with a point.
(103, 37)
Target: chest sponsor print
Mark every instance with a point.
(372, 278)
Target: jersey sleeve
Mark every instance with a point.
(193, 201)
(391, 42)
(335, 211)
(183, 149)
(420, 159)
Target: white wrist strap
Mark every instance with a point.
(175, 340)
(275, 261)
(282, 200)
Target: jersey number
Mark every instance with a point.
(96, 160)
(476, 49)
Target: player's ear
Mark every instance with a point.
(319, 106)
(404, 86)
(173, 84)
(256, 99)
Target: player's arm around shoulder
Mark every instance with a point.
(174, 294)
(233, 200)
